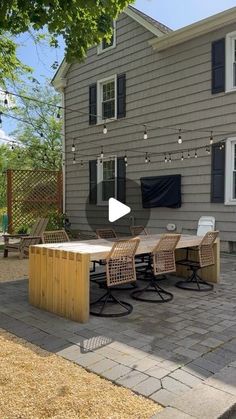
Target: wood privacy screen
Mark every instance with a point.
(31, 194)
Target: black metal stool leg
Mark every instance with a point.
(108, 299)
(152, 287)
(194, 282)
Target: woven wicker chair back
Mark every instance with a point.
(57, 236)
(106, 233)
(120, 263)
(138, 230)
(205, 250)
(164, 254)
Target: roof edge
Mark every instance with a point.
(194, 30)
(139, 19)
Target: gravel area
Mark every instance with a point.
(37, 384)
(13, 268)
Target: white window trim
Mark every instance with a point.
(100, 83)
(229, 162)
(100, 202)
(100, 50)
(230, 38)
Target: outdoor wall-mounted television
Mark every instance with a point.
(161, 191)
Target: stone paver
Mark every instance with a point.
(172, 413)
(148, 387)
(161, 351)
(204, 402)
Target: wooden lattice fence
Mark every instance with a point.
(31, 194)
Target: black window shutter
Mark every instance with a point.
(218, 66)
(217, 174)
(93, 104)
(93, 182)
(121, 180)
(121, 96)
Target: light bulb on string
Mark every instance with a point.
(182, 157)
(195, 155)
(73, 147)
(145, 135)
(146, 158)
(6, 99)
(188, 155)
(211, 138)
(125, 158)
(180, 137)
(74, 159)
(81, 163)
(170, 160)
(149, 159)
(102, 153)
(165, 159)
(104, 129)
(208, 150)
(58, 112)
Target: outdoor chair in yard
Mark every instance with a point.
(163, 262)
(203, 256)
(57, 236)
(106, 233)
(23, 242)
(120, 269)
(138, 230)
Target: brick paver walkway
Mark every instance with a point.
(181, 354)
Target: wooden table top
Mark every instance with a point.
(99, 248)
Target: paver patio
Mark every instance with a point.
(173, 353)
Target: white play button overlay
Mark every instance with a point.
(117, 210)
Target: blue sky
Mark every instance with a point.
(173, 13)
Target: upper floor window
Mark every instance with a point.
(107, 99)
(231, 61)
(107, 45)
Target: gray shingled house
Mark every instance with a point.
(142, 88)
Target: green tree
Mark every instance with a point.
(82, 23)
(40, 134)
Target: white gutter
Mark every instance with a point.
(202, 27)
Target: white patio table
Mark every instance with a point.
(59, 273)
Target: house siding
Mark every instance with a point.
(172, 89)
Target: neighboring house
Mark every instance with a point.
(150, 75)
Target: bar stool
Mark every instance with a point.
(163, 258)
(120, 269)
(205, 257)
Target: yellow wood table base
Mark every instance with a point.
(59, 282)
(59, 273)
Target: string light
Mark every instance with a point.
(102, 154)
(6, 100)
(145, 135)
(165, 159)
(195, 155)
(81, 163)
(208, 150)
(188, 155)
(125, 158)
(182, 157)
(73, 148)
(146, 158)
(211, 138)
(104, 129)
(59, 112)
(74, 159)
(170, 160)
(149, 159)
(180, 137)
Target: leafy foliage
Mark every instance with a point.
(82, 23)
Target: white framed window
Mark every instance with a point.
(106, 179)
(230, 172)
(106, 46)
(107, 99)
(231, 62)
